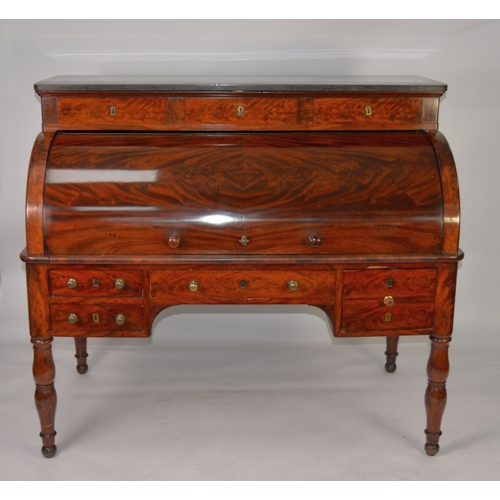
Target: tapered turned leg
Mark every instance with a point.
(435, 396)
(81, 355)
(391, 353)
(45, 394)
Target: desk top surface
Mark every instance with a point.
(162, 83)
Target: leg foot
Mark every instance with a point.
(391, 353)
(49, 451)
(81, 355)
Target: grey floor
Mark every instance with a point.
(255, 393)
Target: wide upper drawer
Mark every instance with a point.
(361, 112)
(160, 194)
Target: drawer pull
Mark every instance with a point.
(174, 241)
(120, 319)
(388, 301)
(119, 283)
(314, 240)
(72, 318)
(193, 285)
(388, 317)
(293, 285)
(72, 283)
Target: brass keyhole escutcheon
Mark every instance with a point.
(368, 110)
(293, 285)
(72, 283)
(390, 282)
(244, 241)
(95, 318)
(95, 282)
(388, 317)
(193, 285)
(72, 318)
(241, 110)
(388, 301)
(243, 285)
(119, 283)
(120, 319)
(112, 110)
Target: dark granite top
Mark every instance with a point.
(143, 83)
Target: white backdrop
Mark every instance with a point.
(464, 54)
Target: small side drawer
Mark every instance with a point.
(239, 286)
(395, 282)
(369, 111)
(115, 112)
(94, 283)
(97, 317)
(244, 111)
(373, 314)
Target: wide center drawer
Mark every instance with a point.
(240, 286)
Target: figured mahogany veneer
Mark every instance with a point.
(144, 194)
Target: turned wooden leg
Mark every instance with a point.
(435, 396)
(391, 353)
(45, 394)
(81, 355)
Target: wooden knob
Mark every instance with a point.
(314, 240)
(174, 241)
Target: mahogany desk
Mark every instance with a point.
(149, 192)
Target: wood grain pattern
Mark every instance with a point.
(96, 111)
(243, 286)
(395, 282)
(94, 283)
(115, 194)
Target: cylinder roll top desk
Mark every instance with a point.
(149, 192)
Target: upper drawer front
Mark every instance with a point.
(111, 112)
(94, 283)
(367, 112)
(394, 282)
(363, 112)
(240, 286)
(242, 111)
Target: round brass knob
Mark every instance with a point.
(72, 318)
(72, 283)
(388, 301)
(174, 241)
(314, 240)
(120, 319)
(293, 285)
(119, 283)
(193, 285)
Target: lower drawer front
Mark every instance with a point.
(374, 315)
(283, 286)
(97, 317)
